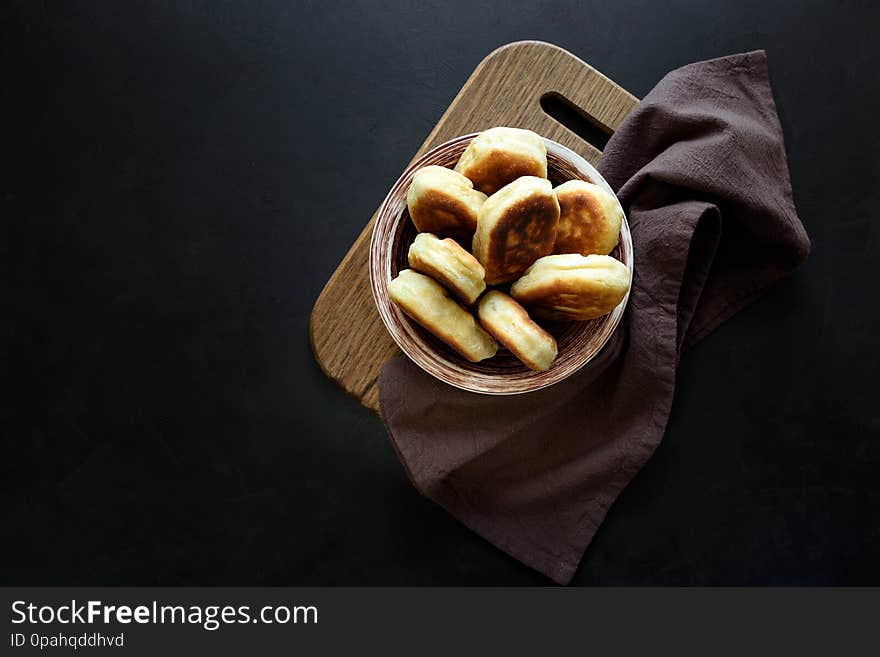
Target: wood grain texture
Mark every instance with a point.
(348, 338)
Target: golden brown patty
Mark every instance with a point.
(516, 226)
(499, 156)
(448, 264)
(510, 324)
(443, 202)
(589, 219)
(428, 303)
(572, 286)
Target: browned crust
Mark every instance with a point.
(497, 168)
(444, 214)
(524, 232)
(583, 299)
(583, 226)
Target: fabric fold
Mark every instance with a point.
(700, 168)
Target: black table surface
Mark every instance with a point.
(180, 179)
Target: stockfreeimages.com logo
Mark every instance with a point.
(210, 617)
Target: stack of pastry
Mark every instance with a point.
(550, 246)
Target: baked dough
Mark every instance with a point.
(510, 324)
(444, 202)
(572, 286)
(516, 226)
(448, 264)
(430, 305)
(499, 156)
(589, 219)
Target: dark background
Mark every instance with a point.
(180, 178)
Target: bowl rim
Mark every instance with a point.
(377, 268)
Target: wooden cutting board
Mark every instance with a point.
(348, 339)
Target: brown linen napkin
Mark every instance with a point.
(700, 168)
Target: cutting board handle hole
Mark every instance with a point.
(560, 108)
